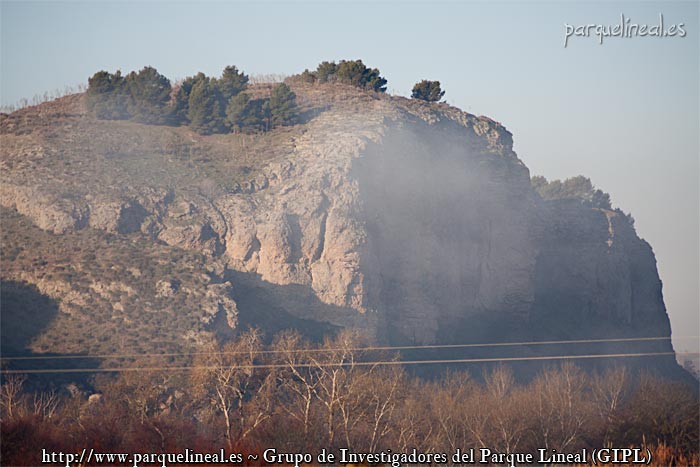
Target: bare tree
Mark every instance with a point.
(560, 409)
(415, 422)
(45, 404)
(383, 387)
(447, 406)
(495, 415)
(477, 417)
(11, 395)
(499, 381)
(146, 396)
(664, 411)
(335, 366)
(237, 385)
(299, 380)
(609, 389)
(369, 398)
(508, 414)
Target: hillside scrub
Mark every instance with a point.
(296, 396)
(352, 72)
(207, 105)
(578, 187)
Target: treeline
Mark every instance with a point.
(212, 105)
(297, 397)
(355, 73)
(352, 72)
(207, 105)
(578, 187)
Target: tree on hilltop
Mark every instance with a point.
(107, 96)
(149, 95)
(426, 90)
(182, 96)
(236, 114)
(352, 72)
(578, 187)
(244, 113)
(325, 70)
(283, 106)
(307, 76)
(231, 82)
(204, 108)
(356, 73)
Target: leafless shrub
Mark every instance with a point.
(44, 405)
(11, 400)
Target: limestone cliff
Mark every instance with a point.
(413, 221)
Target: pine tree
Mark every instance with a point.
(107, 96)
(150, 94)
(427, 91)
(236, 111)
(374, 81)
(260, 108)
(351, 72)
(307, 76)
(182, 96)
(325, 70)
(355, 72)
(231, 82)
(246, 114)
(283, 106)
(204, 108)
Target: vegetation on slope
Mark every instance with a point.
(296, 397)
(111, 292)
(429, 91)
(352, 72)
(579, 188)
(208, 105)
(60, 145)
(212, 105)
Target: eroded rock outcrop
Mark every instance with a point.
(411, 220)
(593, 267)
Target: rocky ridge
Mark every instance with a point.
(410, 220)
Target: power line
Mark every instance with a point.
(374, 348)
(335, 364)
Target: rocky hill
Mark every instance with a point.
(413, 221)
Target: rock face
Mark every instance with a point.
(592, 266)
(413, 221)
(448, 220)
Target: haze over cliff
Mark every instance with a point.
(415, 222)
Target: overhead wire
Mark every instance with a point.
(336, 349)
(333, 364)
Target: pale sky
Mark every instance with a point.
(624, 113)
